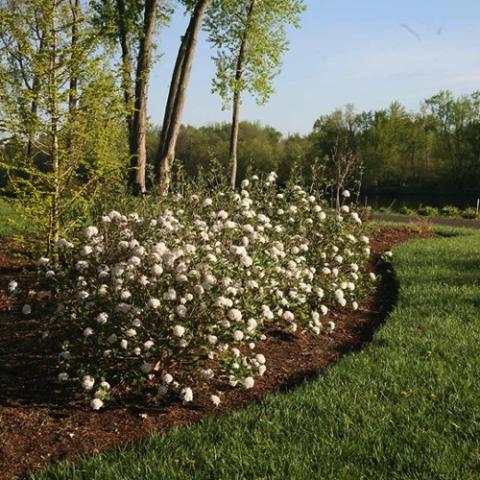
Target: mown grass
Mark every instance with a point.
(405, 407)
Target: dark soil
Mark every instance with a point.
(41, 423)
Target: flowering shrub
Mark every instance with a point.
(186, 296)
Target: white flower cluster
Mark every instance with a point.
(195, 288)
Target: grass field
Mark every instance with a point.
(406, 407)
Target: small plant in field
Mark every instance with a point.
(406, 211)
(469, 213)
(426, 211)
(450, 211)
(184, 296)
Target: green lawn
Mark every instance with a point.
(406, 407)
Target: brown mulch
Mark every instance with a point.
(41, 423)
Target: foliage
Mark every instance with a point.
(62, 138)
(185, 295)
(229, 25)
(382, 413)
(450, 211)
(426, 211)
(469, 213)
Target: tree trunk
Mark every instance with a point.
(138, 134)
(172, 94)
(53, 107)
(237, 98)
(166, 151)
(126, 63)
(73, 83)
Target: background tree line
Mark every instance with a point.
(392, 149)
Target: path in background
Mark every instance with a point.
(448, 222)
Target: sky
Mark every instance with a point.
(364, 52)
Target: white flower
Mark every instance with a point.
(246, 261)
(135, 261)
(49, 274)
(346, 194)
(12, 286)
(41, 262)
(131, 332)
(62, 243)
(83, 295)
(249, 382)
(388, 253)
(323, 309)
(148, 344)
(181, 311)
(212, 339)
(238, 335)
(125, 295)
(105, 385)
(288, 316)
(86, 250)
(90, 232)
(167, 378)
(186, 394)
(235, 315)
(330, 326)
(178, 331)
(157, 270)
(207, 373)
(154, 303)
(260, 358)
(215, 399)
(251, 324)
(88, 382)
(96, 404)
(372, 276)
(27, 309)
(87, 332)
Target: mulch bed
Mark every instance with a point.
(41, 423)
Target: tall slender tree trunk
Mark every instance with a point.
(73, 82)
(53, 107)
(138, 134)
(126, 63)
(178, 89)
(237, 98)
(172, 93)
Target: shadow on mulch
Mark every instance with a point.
(42, 422)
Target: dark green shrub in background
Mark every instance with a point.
(426, 211)
(450, 211)
(469, 213)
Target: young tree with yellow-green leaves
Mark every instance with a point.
(250, 37)
(60, 111)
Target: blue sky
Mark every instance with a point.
(347, 51)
